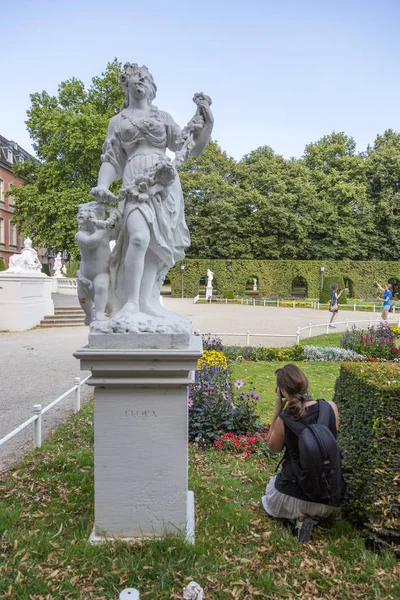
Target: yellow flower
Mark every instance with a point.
(212, 358)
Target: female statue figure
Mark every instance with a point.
(153, 229)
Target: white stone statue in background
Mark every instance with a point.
(58, 266)
(210, 277)
(26, 262)
(153, 232)
(94, 239)
(255, 287)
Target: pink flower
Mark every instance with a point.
(239, 384)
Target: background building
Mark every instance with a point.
(10, 241)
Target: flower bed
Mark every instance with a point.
(250, 443)
(376, 342)
(215, 406)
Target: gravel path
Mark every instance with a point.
(37, 365)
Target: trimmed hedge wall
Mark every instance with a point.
(368, 398)
(275, 277)
(326, 289)
(2, 265)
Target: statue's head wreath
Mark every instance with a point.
(131, 69)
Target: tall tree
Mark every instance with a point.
(383, 172)
(280, 214)
(343, 218)
(68, 131)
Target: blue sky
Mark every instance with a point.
(281, 73)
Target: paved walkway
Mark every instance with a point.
(37, 365)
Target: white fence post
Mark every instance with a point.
(254, 301)
(298, 336)
(277, 302)
(318, 305)
(248, 337)
(347, 324)
(77, 403)
(369, 323)
(294, 303)
(354, 307)
(327, 327)
(264, 301)
(374, 307)
(309, 330)
(37, 409)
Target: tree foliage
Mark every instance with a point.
(333, 203)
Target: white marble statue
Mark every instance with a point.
(255, 287)
(58, 269)
(26, 262)
(210, 277)
(94, 240)
(153, 233)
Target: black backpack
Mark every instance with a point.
(318, 466)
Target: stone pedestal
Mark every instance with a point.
(24, 300)
(209, 291)
(141, 440)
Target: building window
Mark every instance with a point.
(2, 232)
(1, 190)
(10, 196)
(10, 155)
(13, 234)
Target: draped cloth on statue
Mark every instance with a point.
(169, 235)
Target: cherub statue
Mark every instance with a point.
(93, 239)
(58, 266)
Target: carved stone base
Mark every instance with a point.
(141, 331)
(141, 440)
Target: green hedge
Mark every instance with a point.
(326, 289)
(275, 277)
(2, 265)
(368, 398)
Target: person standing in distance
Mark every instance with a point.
(387, 295)
(333, 303)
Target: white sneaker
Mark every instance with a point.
(330, 325)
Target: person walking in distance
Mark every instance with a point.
(333, 303)
(387, 296)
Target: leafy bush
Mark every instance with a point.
(257, 353)
(46, 269)
(211, 342)
(2, 265)
(377, 342)
(326, 289)
(229, 295)
(368, 397)
(320, 354)
(215, 407)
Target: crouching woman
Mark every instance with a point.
(310, 482)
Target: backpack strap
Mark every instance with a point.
(295, 426)
(324, 412)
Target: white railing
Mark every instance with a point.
(67, 286)
(39, 411)
(286, 303)
(298, 335)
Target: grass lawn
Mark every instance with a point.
(326, 340)
(46, 516)
(260, 377)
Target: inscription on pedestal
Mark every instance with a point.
(141, 414)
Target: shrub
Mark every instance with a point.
(215, 407)
(316, 353)
(375, 342)
(229, 295)
(368, 397)
(326, 289)
(257, 353)
(2, 265)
